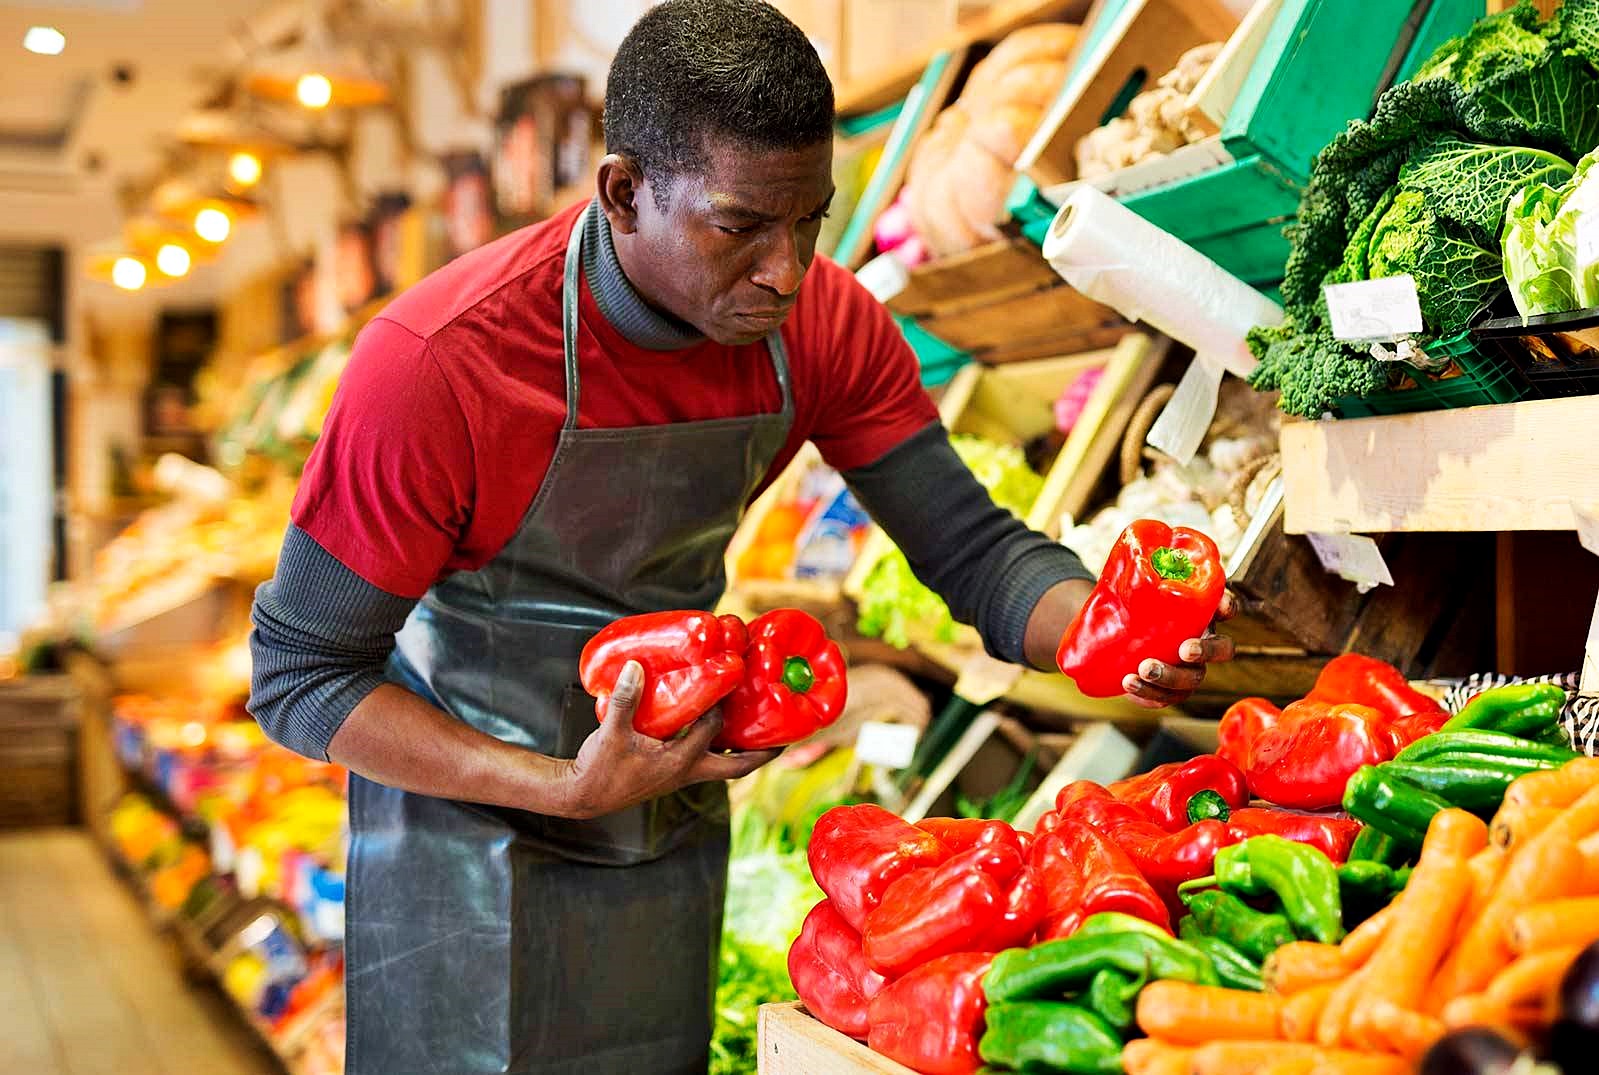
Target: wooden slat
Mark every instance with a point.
(1058, 315)
(988, 274)
(792, 1042)
(1517, 466)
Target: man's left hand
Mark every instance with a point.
(1159, 684)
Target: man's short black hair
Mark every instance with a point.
(690, 69)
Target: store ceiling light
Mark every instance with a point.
(314, 90)
(173, 260)
(244, 168)
(44, 40)
(212, 224)
(129, 273)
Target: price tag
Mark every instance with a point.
(1353, 557)
(889, 745)
(1369, 310)
(884, 276)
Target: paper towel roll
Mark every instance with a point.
(1116, 257)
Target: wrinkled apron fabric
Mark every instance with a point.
(484, 940)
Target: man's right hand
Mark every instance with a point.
(618, 767)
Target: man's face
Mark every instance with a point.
(728, 252)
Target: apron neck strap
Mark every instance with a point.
(572, 280)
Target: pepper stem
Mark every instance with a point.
(1170, 563)
(797, 675)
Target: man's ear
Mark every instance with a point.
(620, 184)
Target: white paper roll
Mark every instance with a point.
(1116, 257)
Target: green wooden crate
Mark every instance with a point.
(939, 361)
(1485, 377)
(1325, 62)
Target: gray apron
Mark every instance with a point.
(486, 940)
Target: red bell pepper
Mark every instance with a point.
(692, 660)
(1354, 677)
(1107, 880)
(1308, 757)
(794, 684)
(856, 852)
(1165, 859)
(1164, 791)
(1025, 906)
(1332, 836)
(941, 909)
(1245, 721)
(1418, 725)
(1159, 588)
(959, 834)
(829, 970)
(930, 1020)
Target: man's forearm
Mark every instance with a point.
(1051, 616)
(395, 738)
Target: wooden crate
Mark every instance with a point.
(1003, 303)
(38, 751)
(1140, 40)
(794, 1042)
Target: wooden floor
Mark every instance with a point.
(88, 987)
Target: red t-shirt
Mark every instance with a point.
(447, 416)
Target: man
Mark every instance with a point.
(555, 431)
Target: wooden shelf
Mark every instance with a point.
(883, 89)
(1514, 466)
(794, 1042)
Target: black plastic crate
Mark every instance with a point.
(1557, 353)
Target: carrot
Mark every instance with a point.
(1195, 1014)
(1560, 787)
(1534, 978)
(1554, 924)
(1258, 1057)
(1147, 1056)
(1293, 1065)
(1334, 1020)
(1479, 1009)
(1514, 825)
(1408, 1033)
(1588, 848)
(1302, 1010)
(1298, 966)
(1424, 925)
(1486, 866)
(1362, 941)
(1547, 867)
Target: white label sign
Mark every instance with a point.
(890, 745)
(1352, 557)
(1587, 517)
(1382, 309)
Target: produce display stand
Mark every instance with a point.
(793, 1042)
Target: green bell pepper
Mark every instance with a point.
(1518, 708)
(1374, 845)
(1050, 1036)
(1111, 995)
(1236, 970)
(1055, 968)
(1478, 786)
(1303, 879)
(1395, 806)
(1451, 747)
(1256, 934)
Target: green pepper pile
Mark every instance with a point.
(1501, 734)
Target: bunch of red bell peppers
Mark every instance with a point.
(778, 680)
(914, 913)
(1362, 711)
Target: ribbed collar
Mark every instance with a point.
(619, 301)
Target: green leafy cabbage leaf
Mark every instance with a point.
(1540, 244)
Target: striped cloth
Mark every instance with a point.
(1580, 717)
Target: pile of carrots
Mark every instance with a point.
(1483, 934)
